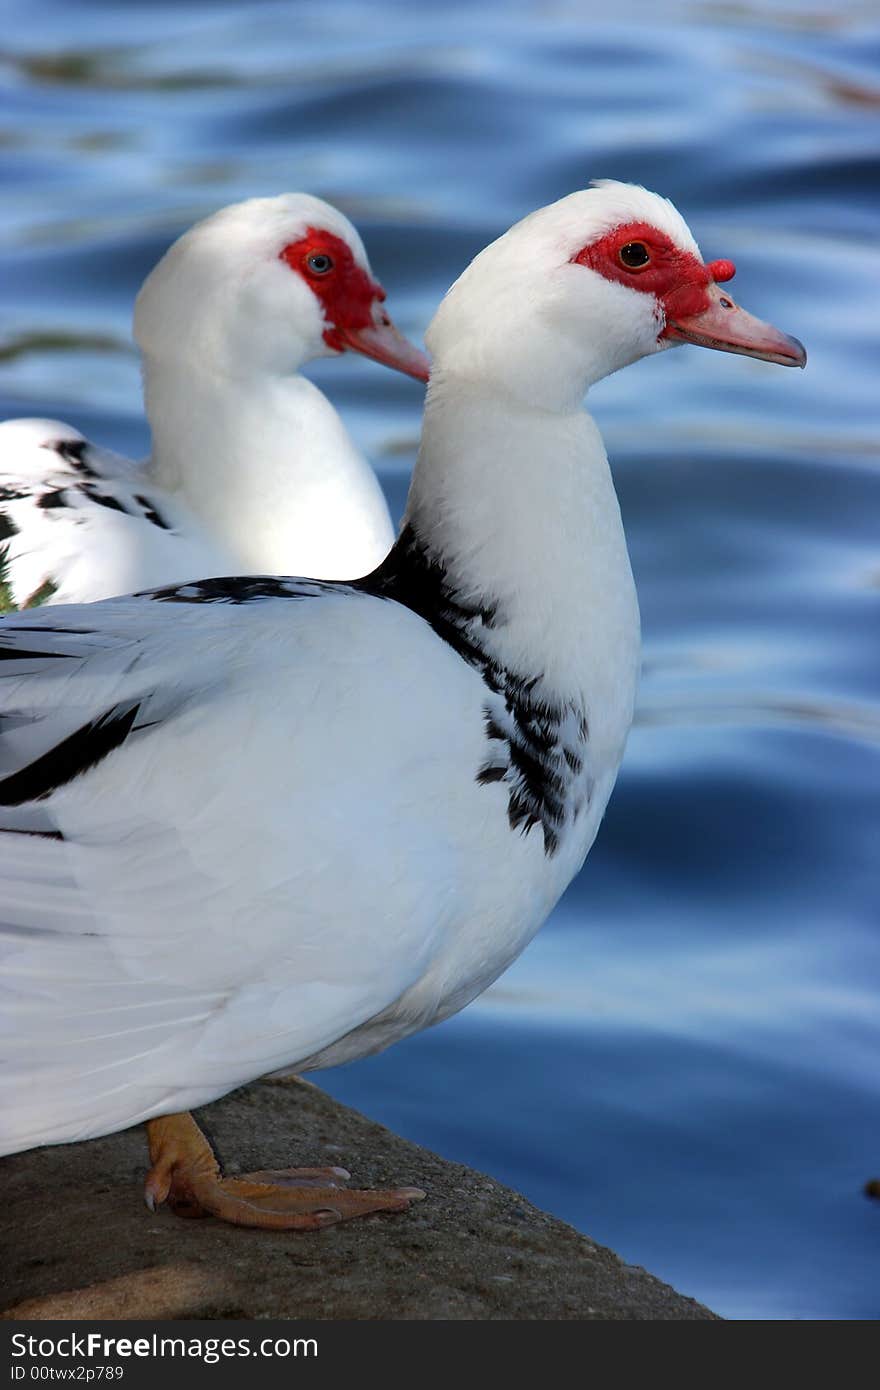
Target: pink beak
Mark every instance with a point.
(382, 341)
(728, 328)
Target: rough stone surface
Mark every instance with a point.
(77, 1242)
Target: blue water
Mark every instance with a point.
(685, 1062)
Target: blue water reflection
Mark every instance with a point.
(684, 1063)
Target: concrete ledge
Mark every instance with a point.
(77, 1242)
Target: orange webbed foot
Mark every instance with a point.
(185, 1174)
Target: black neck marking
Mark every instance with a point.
(410, 575)
(537, 745)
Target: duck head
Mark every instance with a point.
(266, 286)
(586, 286)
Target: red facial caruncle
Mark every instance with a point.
(692, 307)
(644, 258)
(346, 291)
(350, 300)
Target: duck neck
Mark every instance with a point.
(513, 547)
(265, 462)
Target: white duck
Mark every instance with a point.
(251, 468)
(254, 824)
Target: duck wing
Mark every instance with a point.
(224, 836)
(79, 523)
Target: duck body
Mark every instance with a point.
(250, 824)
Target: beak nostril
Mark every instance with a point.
(725, 303)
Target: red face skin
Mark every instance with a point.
(350, 299)
(692, 306)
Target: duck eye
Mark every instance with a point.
(634, 255)
(319, 263)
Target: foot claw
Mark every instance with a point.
(156, 1188)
